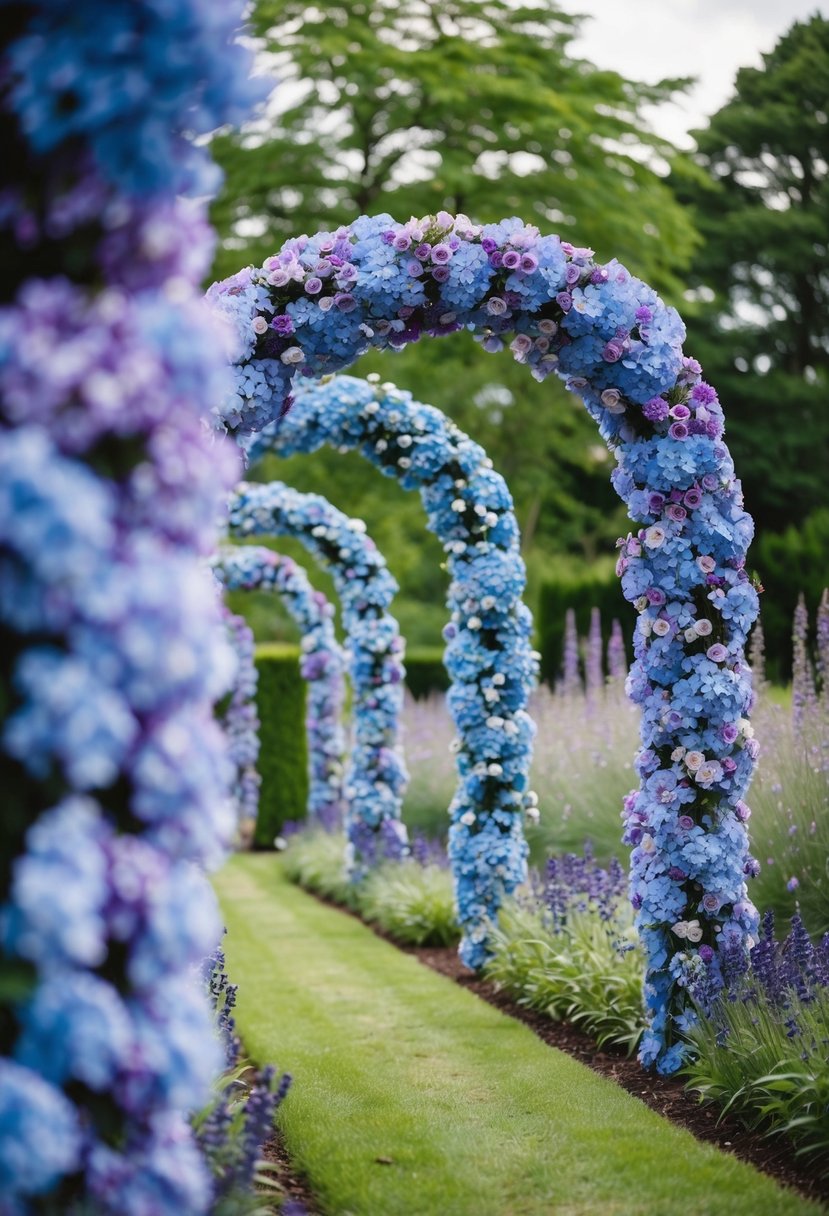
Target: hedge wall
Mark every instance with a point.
(425, 672)
(595, 587)
(283, 754)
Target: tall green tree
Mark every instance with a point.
(470, 105)
(760, 319)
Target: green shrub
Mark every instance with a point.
(283, 752)
(595, 586)
(412, 903)
(425, 672)
(315, 861)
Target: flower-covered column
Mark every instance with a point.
(113, 772)
(240, 721)
(488, 654)
(376, 775)
(322, 662)
(322, 301)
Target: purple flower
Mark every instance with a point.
(414, 268)
(441, 254)
(656, 409)
(711, 902)
(706, 954)
(282, 324)
(345, 301)
(678, 430)
(686, 823)
(703, 393)
(529, 263)
(511, 260)
(692, 498)
(313, 286)
(572, 274)
(423, 250)
(613, 351)
(440, 274)
(402, 242)
(717, 653)
(643, 315)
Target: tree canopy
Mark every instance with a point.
(760, 282)
(475, 106)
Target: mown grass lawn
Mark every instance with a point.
(414, 1098)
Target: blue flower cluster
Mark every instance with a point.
(113, 770)
(132, 83)
(376, 284)
(322, 663)
(376, 776)
(488, 652)
(322, 301)
(240, 721)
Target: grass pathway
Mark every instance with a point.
(470, 1112)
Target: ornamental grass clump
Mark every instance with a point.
(568, 948)
(410, 898)
(760, 1047)
(412, 903)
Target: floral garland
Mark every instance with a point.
(240, 721)
(253, 567)
(488, 654)
(376, 775)
(322, 301)
(113, 771)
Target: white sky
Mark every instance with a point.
(709, 39)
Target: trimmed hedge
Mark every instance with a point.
(594, 587)
(425, 672)
(283, 754)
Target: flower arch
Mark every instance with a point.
(376, 775)
(489, 654)
(252, 567)
(324, 300)
(239, 720)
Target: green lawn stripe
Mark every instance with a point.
(479, 1116)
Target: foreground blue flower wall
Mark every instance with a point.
(322, 663)
(376, 775)
(488, 653)
(323, 300)
(114, 775)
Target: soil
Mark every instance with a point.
(294, 1186)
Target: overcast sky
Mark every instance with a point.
(710, 39)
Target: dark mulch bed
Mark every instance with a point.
(294, 1186)
(666, 1095)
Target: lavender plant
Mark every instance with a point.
(790, 792)
(233, 1128)
(759, 1048)
(568, 948)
